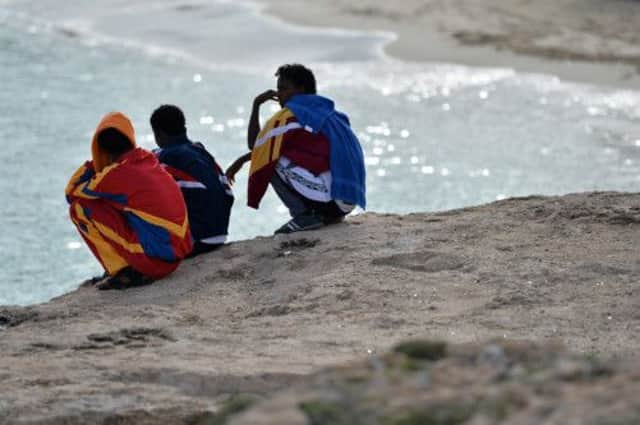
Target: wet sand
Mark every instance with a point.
(585, 41)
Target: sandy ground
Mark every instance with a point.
(593, 41)
(257, 315)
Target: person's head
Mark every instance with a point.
(294, 79)
(113, 143)
(167, 121)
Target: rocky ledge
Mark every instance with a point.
(258, 324)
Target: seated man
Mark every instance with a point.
(204, 186)
(307, 151)
(128, 210)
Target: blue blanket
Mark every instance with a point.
(348, 174)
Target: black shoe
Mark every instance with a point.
(202, 248)
(302, 222)
(94, 280)
(125, 278)
(333, 219)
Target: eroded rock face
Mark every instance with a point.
(258, 316)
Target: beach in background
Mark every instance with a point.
(437, 135)
(593, 41)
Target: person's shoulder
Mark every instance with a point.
(136, 154)
(173, 151)
(284, 115)
(290, 118)
(288, 114)
(199, 147)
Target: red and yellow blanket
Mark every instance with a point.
(131, 212)
(283, 135)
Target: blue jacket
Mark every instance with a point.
(346, 160)
(204, 186)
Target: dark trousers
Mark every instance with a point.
(201, 248)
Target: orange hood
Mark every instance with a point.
(116, 120)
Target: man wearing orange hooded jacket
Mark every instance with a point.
(128, 209)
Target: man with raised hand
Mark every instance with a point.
(307, 151)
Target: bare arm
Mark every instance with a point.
(254, 121)
(236, 166)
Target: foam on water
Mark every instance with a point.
(435, 136)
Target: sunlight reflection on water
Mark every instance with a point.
(435, 137)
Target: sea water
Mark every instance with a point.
(435, 136)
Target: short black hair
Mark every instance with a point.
(114, 142)
(299, 75)
(170, 119)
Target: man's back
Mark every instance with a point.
(205, 189)
(145, 185)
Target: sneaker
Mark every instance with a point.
(302, 222)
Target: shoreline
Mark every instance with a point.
(574, 44)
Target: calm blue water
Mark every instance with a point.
(436, 136)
